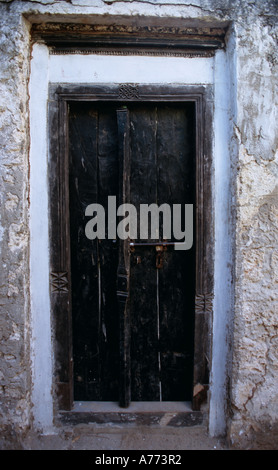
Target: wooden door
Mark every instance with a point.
(132, 300)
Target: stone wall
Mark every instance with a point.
(252, 408)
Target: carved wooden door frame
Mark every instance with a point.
(60, 282)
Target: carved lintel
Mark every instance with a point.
(203, 303)
(75, 30)
(119, 39)
(59, 282)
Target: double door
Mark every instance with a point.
(132, 298)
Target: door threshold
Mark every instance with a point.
(176, 414)
(135, 406)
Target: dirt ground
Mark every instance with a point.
(109, 438)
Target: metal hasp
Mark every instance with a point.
(160, 247)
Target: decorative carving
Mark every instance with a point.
(59, 282)
(130, 52)
(129, 91)
(50, 29)
(203, 303)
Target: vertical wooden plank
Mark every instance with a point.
(108, 185)
(123, 273)
(143, 282)
(204, 249)
(176, 162)
(84, 253)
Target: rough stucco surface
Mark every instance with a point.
(255, 374)
(253, 387)
(14, 371)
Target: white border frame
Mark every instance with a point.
(93, 69)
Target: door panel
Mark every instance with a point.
(93, 175)
(158, 333)
(162, 300)
(145, 383)
(176, 185)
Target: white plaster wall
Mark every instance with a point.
(41, 350)
(77, 68)
(116, 69)
(224, 118)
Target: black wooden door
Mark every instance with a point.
(133, 342)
